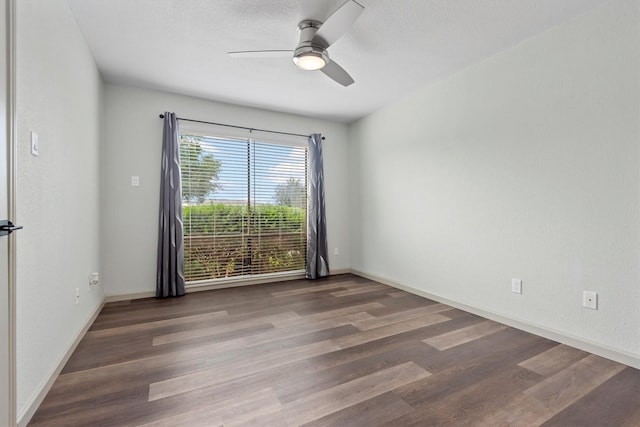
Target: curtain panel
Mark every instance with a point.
(317, 259)
(170, 268)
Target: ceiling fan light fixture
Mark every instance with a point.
(315, 38)
(310, 61)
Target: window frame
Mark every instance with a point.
(246, 136)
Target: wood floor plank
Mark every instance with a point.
(308, 382)
(331, 314)
(312, 289)
(328, 302)
(104, 413)
(466, 405)
(397, 294)
(552, 395)
(463, 336)
(398, 304)
(305, 327)
(150, 326)
(378, 411)
(86, 356)
(573, 382)
(632, 421)
(196, 333)
(379, 321)
(76, 384)
(461, 371)
(355, 354)
(167, 309)
(393, 329)
(358, 290)
(340, 351)
(195, 380)
(554, 360)
(328, 401)
(613, 403)
(237, 411)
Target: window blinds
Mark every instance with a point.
(244, 207)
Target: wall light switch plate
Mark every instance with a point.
(135, 181)
(94, 278)
(35, 145)
(516, 286)
(590, 300)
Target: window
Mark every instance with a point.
(244, 207)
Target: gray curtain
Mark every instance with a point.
(317, 259)
(170, 277)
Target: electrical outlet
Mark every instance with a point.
(516, 286)
(77, 296)
(336, 251)
(590, 300)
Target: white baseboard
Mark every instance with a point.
(31, 407)
(128, 296)
(559, 336)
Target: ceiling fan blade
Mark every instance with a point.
(261, 54)
(337, 73)
(338, 23)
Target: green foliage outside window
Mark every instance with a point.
(224, 242)
(199, 170)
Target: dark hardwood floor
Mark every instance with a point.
(343, 351)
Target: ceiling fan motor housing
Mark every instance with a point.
(306, 47)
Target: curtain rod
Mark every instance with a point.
(239, 127)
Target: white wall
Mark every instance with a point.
(132, 146)
(523, 166)
(59, 95)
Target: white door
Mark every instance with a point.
(7, 324)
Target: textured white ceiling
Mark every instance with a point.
(394, 47)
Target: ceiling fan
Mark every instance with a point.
(315, 38)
